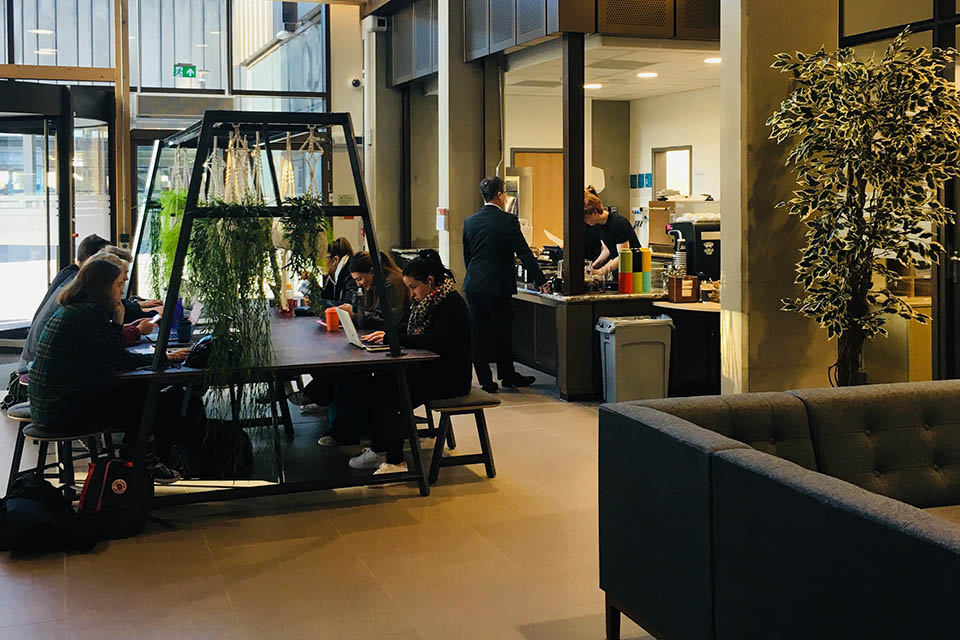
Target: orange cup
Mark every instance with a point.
(333, 320)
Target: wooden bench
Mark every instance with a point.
(471, 404)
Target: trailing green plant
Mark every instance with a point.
(305, 227)
(165, 224)
(307, 230)
(229, 255)
(872, 142)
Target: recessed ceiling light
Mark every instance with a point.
(214, 33)
(41, 32)
(593, 85)
(46, 52)
(647, 74)
(202, 46)
(713, 60)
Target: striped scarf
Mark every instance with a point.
(421, 313)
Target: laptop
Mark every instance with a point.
(353, 337)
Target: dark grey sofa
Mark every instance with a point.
(783, 515)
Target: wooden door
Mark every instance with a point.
(547, 192)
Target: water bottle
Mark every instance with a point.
(358, 307)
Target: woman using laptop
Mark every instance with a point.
(345, 393)
(398, 297)
(72, 389)
(439, 322)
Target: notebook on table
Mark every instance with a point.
(346, 321)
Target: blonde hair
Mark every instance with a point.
(115, 252)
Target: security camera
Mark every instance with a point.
(355, 83)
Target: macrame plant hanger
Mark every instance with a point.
(236, 186)
(312, 155)
(216, 168)
(288, 178)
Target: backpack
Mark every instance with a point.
(35, 517)
(115, 500)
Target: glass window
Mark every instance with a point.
(861, 16)
(91, 183)
(294, 62)
(28, 207)
(176, 32)
(61, 32)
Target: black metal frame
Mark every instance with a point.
(946, 276)
(266, 124)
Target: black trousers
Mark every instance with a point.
(391, 430)
(491, 319)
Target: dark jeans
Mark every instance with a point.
(391, 430)
(342, 394)
(491, 318)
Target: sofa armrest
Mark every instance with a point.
(654, 507)
(799, 554)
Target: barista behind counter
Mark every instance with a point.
(615, 232)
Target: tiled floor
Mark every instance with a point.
(513, 558)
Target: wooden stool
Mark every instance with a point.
(473, 403)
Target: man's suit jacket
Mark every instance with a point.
(491, 237)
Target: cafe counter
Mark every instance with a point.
(555, 334)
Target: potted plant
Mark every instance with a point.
(872, 142)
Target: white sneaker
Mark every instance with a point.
(386, 467)
(368, 459)
(328, 441)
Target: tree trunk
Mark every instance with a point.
(850, 359)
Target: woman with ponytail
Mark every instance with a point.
(439, 322)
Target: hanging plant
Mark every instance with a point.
(307, 230)
(872, 142)
(305, 226)
(229, 256)
(166, 215)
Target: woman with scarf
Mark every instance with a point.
(439, 322)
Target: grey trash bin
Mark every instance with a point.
(635, 353)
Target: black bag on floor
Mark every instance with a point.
(15, 393)
(204, 448)
(115, 501)
(36, 518)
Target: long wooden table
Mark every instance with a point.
(300, 345)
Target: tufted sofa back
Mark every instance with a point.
(774, 423)
(897, 440)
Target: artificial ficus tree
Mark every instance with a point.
(872, 142)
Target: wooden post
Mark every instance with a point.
(121, 141)
(573, 161)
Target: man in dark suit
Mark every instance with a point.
(491, 239)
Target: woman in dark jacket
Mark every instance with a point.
(72, 386)
(439, 322)
(339, 286)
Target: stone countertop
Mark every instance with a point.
(595, 296)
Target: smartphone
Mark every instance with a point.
(155, 319)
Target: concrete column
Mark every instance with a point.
(762, 347)
(381, 152)
(461, 133)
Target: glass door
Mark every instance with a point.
(28, 216)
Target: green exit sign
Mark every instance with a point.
(184, 71)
